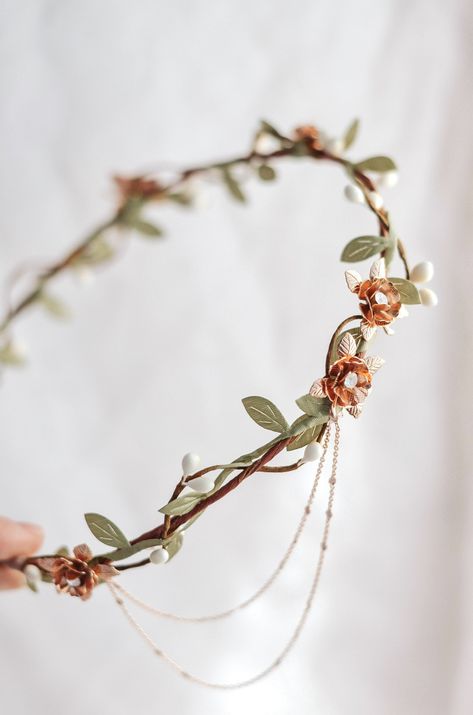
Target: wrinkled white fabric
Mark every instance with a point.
(237, 301)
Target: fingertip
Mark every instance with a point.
(18, 539)
(10, 578)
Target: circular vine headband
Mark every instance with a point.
(380, 300)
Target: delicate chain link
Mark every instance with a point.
(266, 585)
(300, 624)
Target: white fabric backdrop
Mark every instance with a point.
(165, 343)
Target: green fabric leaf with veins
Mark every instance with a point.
(362, 247)
(265, 413)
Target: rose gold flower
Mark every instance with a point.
(310, 135)
(73, 575)
(348, 380)
(138, 187)
(380, 301)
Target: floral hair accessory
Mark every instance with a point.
(74, 575)
(313, 432)
(348, 380)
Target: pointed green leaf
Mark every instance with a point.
(269, 129)
(232, 184)
(181, 505)
(265, 413)
(407, 290)
(351, 133)
(307, 429)
(106, 531)
(53, 305)
(318, 407)
(362, 247)
(126, 552)
(379, 164)
(174, 545)
(11, 354)
(147, 229)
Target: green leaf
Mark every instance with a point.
(379, 164)
(407, 290)
(182, 505)
(106, 531)
(174, 545)
(266, 173)
(147, 229)
(265, 413)
(269, 129)
(351, 133)
(318, 407)
(362, 247)
(126, 552)
(182, 198)
(97, 251)
(11, 355)
(307, 429)
(53, 305)
(232, 184)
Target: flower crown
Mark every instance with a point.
(348, 370)
(381, 298)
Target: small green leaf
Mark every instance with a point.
(147, 229)
(266, 173)
(174, 545)
(407, 290)
(362, 247)
(10, 354)
(232, 184)
(106, 531)
(126, 552)
(53, 305)
(62, 551)
(307, 429)
(97, 251)
(351, 133)
(318, 407)
(379, 164)
(269, 129)
(181, 505)
(182, 198)
(265, 413)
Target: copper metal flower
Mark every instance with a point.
(348, 380)
(310, 135)
(380, 301)
(73, 575)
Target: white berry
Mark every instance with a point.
(32, 573)
(335, 146)
(428, 297)
(389, 179)
(201, 484)
(354, 194)
(377, 200)
(422, 272)
(313, 452)
(190, 463)
(159, 556)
